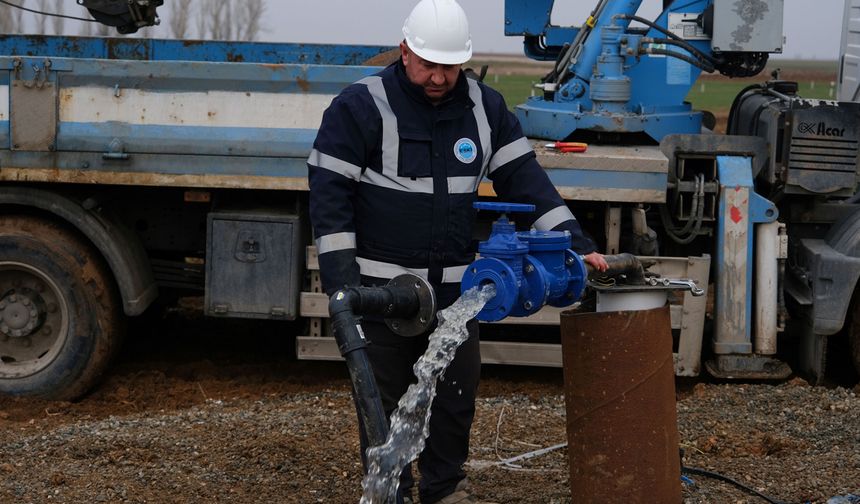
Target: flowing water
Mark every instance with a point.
(410, 421)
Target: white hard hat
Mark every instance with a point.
(438, 31)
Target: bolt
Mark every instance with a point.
(25, 302)
(34, 313)
(13, 298)
(17, 333)
(569, 261)
(395, 325)
(2, 305)
(528, 305)
(530, 268)
(423, 320)
(4, 328)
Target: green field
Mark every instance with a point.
(715, 95)
(816, 80)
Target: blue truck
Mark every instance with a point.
(135, 169)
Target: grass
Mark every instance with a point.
(515, 88)
(708, 93)
(717, 95)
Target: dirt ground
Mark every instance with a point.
(198, 410)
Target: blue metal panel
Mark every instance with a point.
(162, 139)
(186, 50)
(554, 121)
(660, 81)
(81, 163)
(527, 17)
(201, 76)
(739, 209)
(607, 179)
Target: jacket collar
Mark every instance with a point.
(458, 96)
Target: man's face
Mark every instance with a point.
(437, 80)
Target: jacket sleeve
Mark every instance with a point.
(335, 166)
(518, 177)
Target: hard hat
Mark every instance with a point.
(438, 31)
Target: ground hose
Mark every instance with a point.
(717, 476)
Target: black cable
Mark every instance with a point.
(34, 11)
(717, 476)
(664, 31)
(687, 47)
(697, 206)
(683, 57)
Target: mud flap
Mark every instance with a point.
(813, 354)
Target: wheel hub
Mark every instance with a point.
(21, 313)
(33, 320)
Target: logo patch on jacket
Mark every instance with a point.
(465, 150)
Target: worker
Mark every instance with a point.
(393, 175)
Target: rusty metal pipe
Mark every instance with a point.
(620, 398)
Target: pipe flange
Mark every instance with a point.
(426, 315)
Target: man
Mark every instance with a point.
(393, 175)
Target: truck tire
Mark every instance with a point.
(60, 322)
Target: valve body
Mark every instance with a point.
(529, 269)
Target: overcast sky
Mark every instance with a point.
(812, 27)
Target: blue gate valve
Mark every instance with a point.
(529, 269)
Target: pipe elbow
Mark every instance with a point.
(344, 300)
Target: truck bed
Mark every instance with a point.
(216, 115)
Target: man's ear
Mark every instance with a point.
(404, 53)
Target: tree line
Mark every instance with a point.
(181, 19)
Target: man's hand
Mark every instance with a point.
(596, 261)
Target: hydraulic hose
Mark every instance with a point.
(664, 31)
(707, 67)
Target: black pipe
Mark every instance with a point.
(397, 301)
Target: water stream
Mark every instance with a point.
(410, 421)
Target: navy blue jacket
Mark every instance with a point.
(393, 178)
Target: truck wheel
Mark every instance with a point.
(59, 312)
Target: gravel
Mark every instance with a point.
(232, 424)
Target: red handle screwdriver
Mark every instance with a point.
(568, 146)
